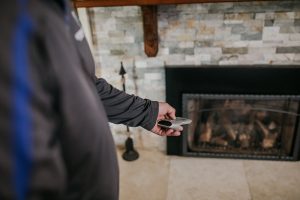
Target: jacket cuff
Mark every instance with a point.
(153, 113)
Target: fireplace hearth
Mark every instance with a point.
(238, 112)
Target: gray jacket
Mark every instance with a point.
(55, 142)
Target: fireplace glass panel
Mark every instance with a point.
(253, 125)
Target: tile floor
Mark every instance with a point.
(155, 176)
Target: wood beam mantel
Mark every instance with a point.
(102, 3)
(150, 30)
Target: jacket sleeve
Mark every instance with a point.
(122, 108)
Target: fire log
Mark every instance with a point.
(244, 140)
(261, 115)
(219, 141)
(206, 132)
(232, 134)
(262, 127)
(270, 136)
(270, 141)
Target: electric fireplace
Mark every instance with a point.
(237, 112)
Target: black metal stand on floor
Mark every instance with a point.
(130, 153)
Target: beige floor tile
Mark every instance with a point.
(207, 179)
(273, 180)
(145, 178)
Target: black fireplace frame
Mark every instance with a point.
(231, 80)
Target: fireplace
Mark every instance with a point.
(237, 112)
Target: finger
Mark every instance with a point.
(176, 133)
(169, 132)
(173, 133)
(180, 128)
(161, 132)
(171, 112)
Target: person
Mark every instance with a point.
(55, 141)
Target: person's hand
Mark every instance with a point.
(165, 112)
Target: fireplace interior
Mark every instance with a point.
(237, 112)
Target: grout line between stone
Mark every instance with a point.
(248, 184)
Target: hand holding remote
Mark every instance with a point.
(175, 124)
(166, 112)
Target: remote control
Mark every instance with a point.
(174, 123)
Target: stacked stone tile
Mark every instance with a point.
(245, 33)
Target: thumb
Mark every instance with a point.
(171, 112)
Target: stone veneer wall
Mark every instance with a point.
(245, 33)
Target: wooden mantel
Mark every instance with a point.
(102, 3)
(149, 11)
